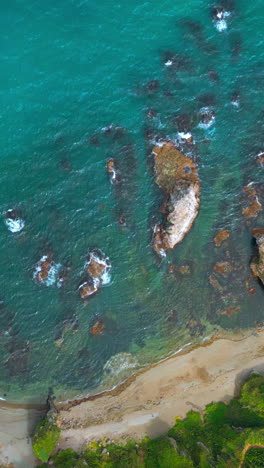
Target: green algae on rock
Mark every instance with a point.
(177, 176)
(257, 264)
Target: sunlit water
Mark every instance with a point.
(69, 71)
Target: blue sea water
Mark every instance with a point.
(69, 70)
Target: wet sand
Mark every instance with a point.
(17, 426)
(144, 405)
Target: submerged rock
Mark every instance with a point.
(120, 362)
(221, 236)
(215, 283)
(177, 176)
(113, 172)
(13, 221)
(257, 264)
(223, 268)
(229, 311)
(97, 328)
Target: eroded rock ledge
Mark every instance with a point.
(257, 264)
(177, 176)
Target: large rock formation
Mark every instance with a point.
(257, 264)
(177, 176)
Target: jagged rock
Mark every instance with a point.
(257, 264)
(97, 270)
(177, 176)
(221, 236)
(46, 270)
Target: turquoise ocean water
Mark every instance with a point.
(70, 69)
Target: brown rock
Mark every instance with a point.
(221, 236)
(43, 269)
(171, 268)
(229, 311)
(253, 209)
(223, 268)
(97, 328)
(253, 205)
(185, 270)
(95, 268)
(258, 233)
(86, 290)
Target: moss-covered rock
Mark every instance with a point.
(45, 438)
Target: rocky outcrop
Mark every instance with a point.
(177, 176)
(257, 264)
(46, 271)
(97, 269)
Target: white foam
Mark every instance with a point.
(221, 25)
(15, 225)
(206, 125)
(53, 274)
(206, 111)
(184, 136)
(106, 278)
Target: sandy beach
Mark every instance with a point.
(144, 405)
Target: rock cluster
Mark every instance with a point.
(96, 274)
(253, 205)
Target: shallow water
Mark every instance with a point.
(68, 72)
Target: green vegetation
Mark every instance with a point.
(46, 437)
(225, 436)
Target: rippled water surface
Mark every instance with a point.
(69, 70)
